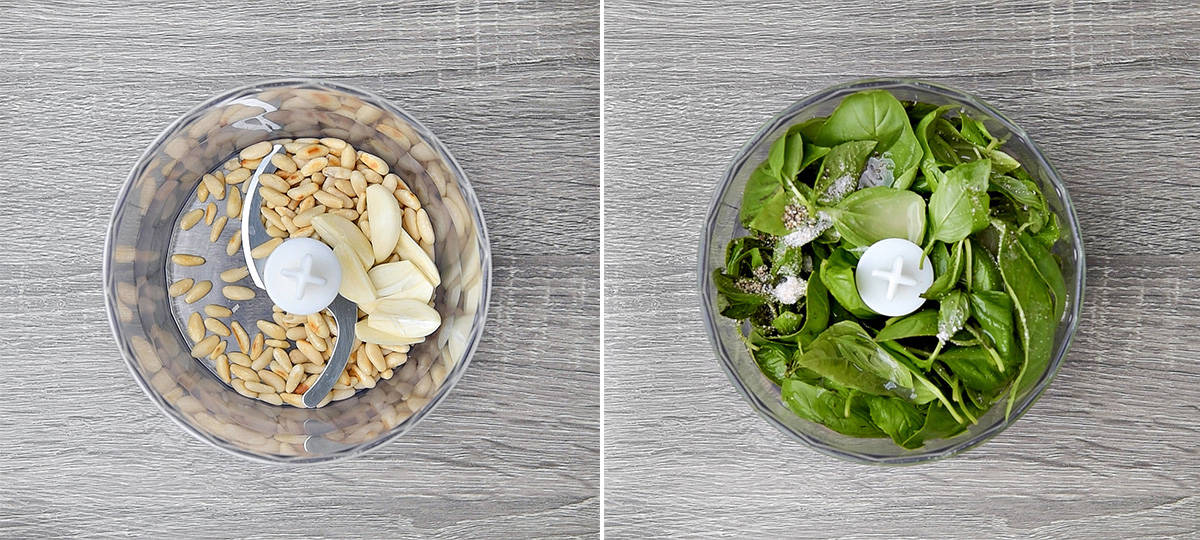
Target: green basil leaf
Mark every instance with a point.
(816, 309)
(763, 202)
(773, 359)
(899, 419)
(787, 322)
(828, 408)
(837, 273)
(973, 130)
(1034, 311)
(840, 170)
(812, 154)
(974, 368)
(873, 214)
(948, 277)
(845, 354)
(985, 276)
(930, 145)
(993, 310)
(1048, 269)
(953, 310)
(872, 115)
(959, 204)
(1027, 201)
(921, 323)
(732, 301)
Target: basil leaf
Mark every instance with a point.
(763, 202)
(945, 280)
(974, 368)
(959, 204)
(921, 323)
(1048, 269)
(1028, 203)
(993, 310)
(812, 154)
(930, 144)
(840, 170)
(953, 311)
(732, 301)
(845, 354)
(786, 154)
(816, 309)
(899, 419)
(974, 131)
(787, 322)
(984, 274)
(773, 359)
(1034, 312)
(873, 214)
(827, 408)
(838, 276)
(873, 115)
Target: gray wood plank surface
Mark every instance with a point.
(1107, 89)
(511, 88)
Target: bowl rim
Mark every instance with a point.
(485, 261)
(706, 290)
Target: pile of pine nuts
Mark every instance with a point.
(287, 354)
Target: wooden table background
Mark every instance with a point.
(511, 88)
(1109, 91)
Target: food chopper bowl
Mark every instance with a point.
(136, 271)
(722, 225)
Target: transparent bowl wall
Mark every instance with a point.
(722, 225)
(135, 271)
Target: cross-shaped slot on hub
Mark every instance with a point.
(895, 278)
(302, 275)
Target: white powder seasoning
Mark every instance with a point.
(790, 290)
(809, 231)
(838, 189)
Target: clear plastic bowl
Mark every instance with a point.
(722, 225)
(135, 270)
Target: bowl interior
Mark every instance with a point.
(723, 225)
(136, 271)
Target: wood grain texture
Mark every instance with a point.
(1107, 90)
(511, 88)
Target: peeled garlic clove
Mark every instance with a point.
(356, 285)
(336, 230)
(385, 215)
(369, 334)
(401, 280)
(409, 250)
(405, 318)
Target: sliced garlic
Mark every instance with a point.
(356, 285)
(386, 216)
(409, 250)
(337, 230)
(401, 280)
(404, 318)
(379, 337)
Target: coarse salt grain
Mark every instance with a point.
(838, 189)
(790, 290)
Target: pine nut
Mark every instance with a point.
(313, 166)
(202, 192)
(256, 345)
(333, 143)
(297, 332)
(239, 335)
(279, 343)
(274, 182)
(279, 355)
(183, 259)
(259, 387)
(244, 373)
(292, 399)
(341, 173)
(195, 327)
(234, 244)
(371, 176)
(218, 350)
(205, 346)
(270, 397)
(233, 205)
(200, 290)
(235, 274)
(294, 377)
(265, 358)
(223, 368)
(179, 288)
(395, 360)
(217, 310)
(328, 199)
(216, 327)
(284, 163)
(316, 324)
(425, 225)
(237, 292)
(375, 356)
(345, 393)
(410, 224)
(217, 227)
(276, 382)
(373, 161)
(311, 152)
(210, 213)
(407, 198)
(240, 359)
(273, 196)
(272, 330)
(240, 386)
(391, 182)
(216, 187)
(237, 176)
(302, 191)
(265, 248)
(310, 352)
(398, 181)
(256, 151)
(190, 219)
